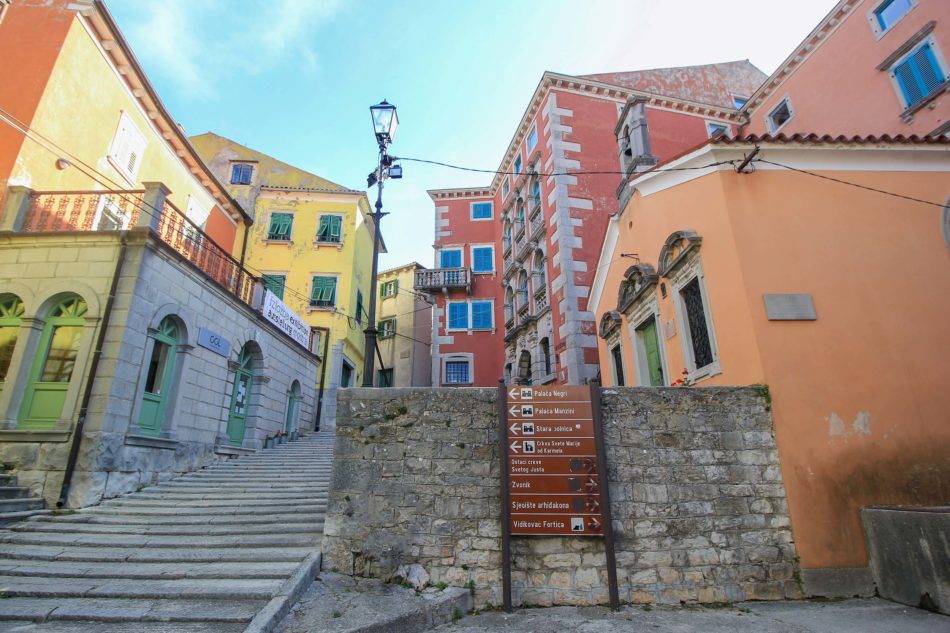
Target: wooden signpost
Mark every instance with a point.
(553, 471)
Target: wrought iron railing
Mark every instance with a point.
(509, 261)
(522, 238)
(188, 240)
(438, 278)
(52, 211)
(537, 225)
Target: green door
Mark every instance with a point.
(293, 404)
(11, 313)
(651, 346)
(240, 397)
(45, 392)
(159, 380)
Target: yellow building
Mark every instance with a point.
(312, 241)
(404, 320)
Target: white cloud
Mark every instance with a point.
(173, 39)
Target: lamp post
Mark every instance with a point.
(385, 122)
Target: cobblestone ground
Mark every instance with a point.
(849, 616)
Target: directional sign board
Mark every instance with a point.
(553, 481)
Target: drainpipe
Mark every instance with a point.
(247, 229)
(90, 382)
(323, 374)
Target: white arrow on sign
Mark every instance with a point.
(515, 447)
(515, 428)
(514, 411)
(513, 394)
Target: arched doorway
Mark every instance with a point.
(241, 395)
(53, 365)
(524, 368)
(160, 377)
(293, 407)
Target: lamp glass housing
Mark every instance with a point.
(385, 121)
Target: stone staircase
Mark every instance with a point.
(222, 550)
(16, 502)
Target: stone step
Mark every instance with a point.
(98, 626)
(241, 478)
(14, 492)
(220, 510)
(308, 527)
(188, 555)
(160, 501)
(73, 539)
(86, 518)
(222, 495)
(199, 488)
(7, 518)
(7, 480)
(136, 611)
(21, 505)
(157, 571)
(230, 589)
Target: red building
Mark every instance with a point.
(515, 260)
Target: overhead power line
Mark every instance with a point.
(558, 173)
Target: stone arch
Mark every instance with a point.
(186, 334)
(22, 292)
(677, 246)
(637, 281)
(609, 323)
(525, 367)
(262, 355)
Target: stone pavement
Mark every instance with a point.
(222, 550)
(848, 616)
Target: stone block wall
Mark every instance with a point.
(697, 497)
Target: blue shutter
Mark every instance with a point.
(919, 75)
(481, 315)
(482, 259)
(458, 316)
(451, 259)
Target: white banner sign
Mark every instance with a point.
(277, 312)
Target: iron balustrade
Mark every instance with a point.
(537, 225)
(438, 278)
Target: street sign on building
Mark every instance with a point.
(553, 470)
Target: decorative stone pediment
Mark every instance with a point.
(609, 323)
(637, 281)
(675, 250)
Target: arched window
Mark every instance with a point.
(11, 314)
(241, 396)
(546, 356)
(519, 217)
(522, 289)
(524, 368)
(540, 270)
(506, 235)
(509, 304)
(160, 378)
(536, 194)
(293, 407)
(53, 366)
(508, 372)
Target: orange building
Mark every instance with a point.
(889, 58)
(833, 295)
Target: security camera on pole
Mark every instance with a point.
(385, 122)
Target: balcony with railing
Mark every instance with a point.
(443, 279)
(521, 237)
(94, 211)
(509, 259)
(540, 300)
(537, 225)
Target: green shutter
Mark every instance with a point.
(330, 228)
(280, 226)
(336, 224)
(275, 283)
(323, 293)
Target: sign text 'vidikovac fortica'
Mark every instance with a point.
(554, 486)
(278, 313)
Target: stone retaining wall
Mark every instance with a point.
(697, 497)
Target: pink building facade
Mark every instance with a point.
(887, 57)
(515, 260)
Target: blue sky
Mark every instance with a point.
(295, 78)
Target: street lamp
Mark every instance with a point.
(385, 122)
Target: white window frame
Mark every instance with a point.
(649, 309)
(387, 285)
(128, 140)
(685, 273)
(493, 267)
(458, 358)
(533, 130)
(711, 123)
(194, 209)
(742, 98)
(941, 62)
(875, 24)
(470, 327)
(768, 115)
(505, 188)
(471, 211)
(449, 249)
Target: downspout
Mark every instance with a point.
(323, 374)
(247, 229)
(90, 382)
